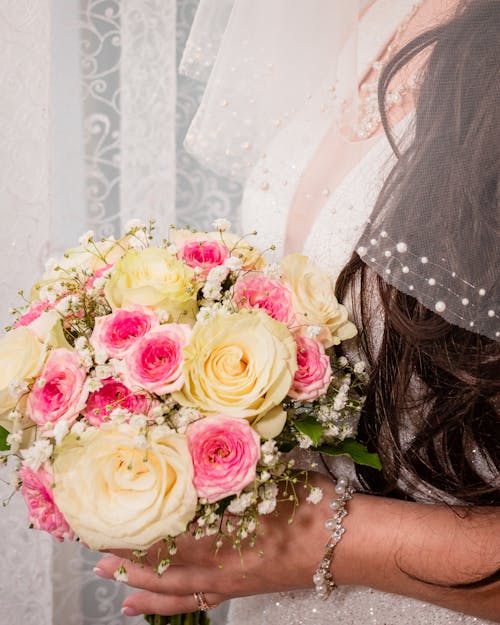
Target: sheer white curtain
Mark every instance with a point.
(87, 139)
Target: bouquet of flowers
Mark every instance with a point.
(151, 390)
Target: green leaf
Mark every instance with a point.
(4, 446)
(310, 427)
(353, 449)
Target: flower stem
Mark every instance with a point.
(193, 618)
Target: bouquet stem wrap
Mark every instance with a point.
(194, 618)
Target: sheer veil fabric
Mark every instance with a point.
(263, 126)
(265, 64)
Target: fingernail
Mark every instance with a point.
(129, 612)
(99, 572)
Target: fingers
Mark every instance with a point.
(153, 603)
(177, 580)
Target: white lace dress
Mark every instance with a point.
(267, 198)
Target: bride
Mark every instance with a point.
(405, 207)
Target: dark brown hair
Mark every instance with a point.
(430, 377)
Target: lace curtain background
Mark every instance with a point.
(92, 122)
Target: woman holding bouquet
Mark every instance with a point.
(422, 536)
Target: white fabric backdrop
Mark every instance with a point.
(87, 138)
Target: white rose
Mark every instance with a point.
(21, 358)
(314, 299)
(116, 495)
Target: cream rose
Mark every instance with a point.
(21, 357)
(154, 278)
(116, 495)
(314, 299)
(93, 257)
(240, 365)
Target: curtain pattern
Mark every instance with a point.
(24, 209)
(92, 121)
(201, 195)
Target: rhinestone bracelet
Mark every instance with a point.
(322, 578)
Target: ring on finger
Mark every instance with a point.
(202, 602)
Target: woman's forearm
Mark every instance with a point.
(400, 547)
(421, 551)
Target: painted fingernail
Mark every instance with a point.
(129, 612)
(99, 572)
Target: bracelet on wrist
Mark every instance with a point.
(323, 578)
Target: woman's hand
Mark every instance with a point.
(412, 549)
(284, 558)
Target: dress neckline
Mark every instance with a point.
(376, 28)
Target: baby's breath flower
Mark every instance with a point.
(37, 454)
(183, 417)
(86, 238)
(156, 412)
(233, 263)
(163, 316)
(104, 371)
(264, 476)
(212, 291)
(162, 566)
(60, 430)
(14, 440)
(18, 388)
(252, 525)
(267, 506)
(340, 401)
(86, 356)
(332, 431)
(14, 415)
(315, 496)
(359, 367)
(304, 441)
(120, 415)
(221, 224)
(240, 504)
(206, 313)
(48, 294)
(343, 362)
(100, 356)
(272, 270)
(134, 224)
(121, 574)
(269, 454)
(81, 343)
(139, 240)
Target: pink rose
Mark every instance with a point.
(35, 310)
(39, 497)
(203, 254)
(113, 394)
(60, 391)
(116, 333)
(314, 371)
(225, 453)
(155, 361)
(255, 290)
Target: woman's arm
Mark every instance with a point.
(389, 545)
